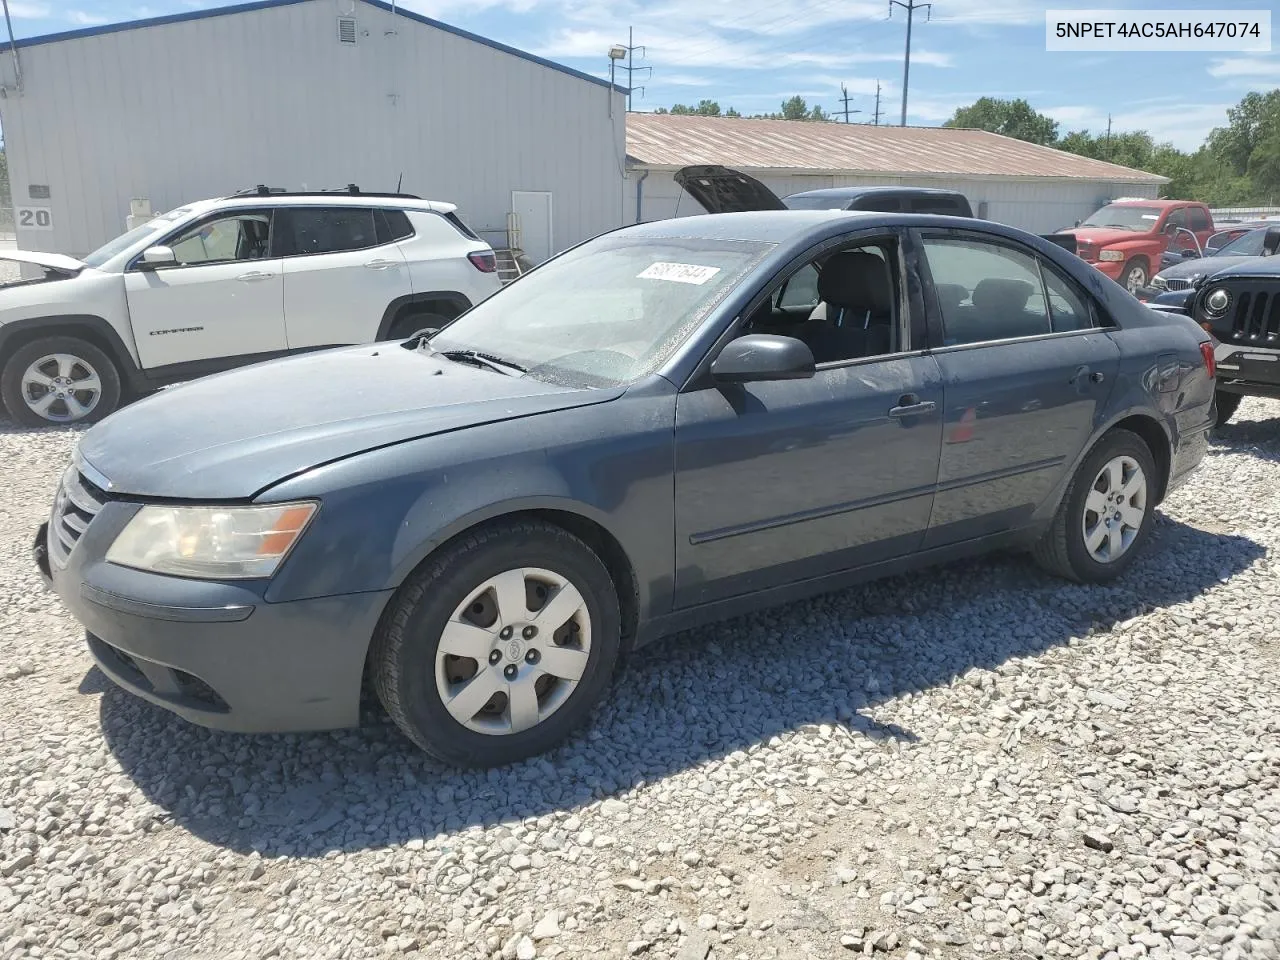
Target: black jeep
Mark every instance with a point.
(1239, 306)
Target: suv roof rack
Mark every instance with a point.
(351, 190)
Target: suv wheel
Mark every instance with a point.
(1228, 404)
(499, 646)
(1106, 514)
(406, 327)
(1134, 275)
(59, 380)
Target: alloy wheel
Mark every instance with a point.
(1114, 509)
(61, 387)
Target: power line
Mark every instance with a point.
(845, 98)
(911, 6)
(631, 68)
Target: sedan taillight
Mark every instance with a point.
(485, 262)
(1210, 362)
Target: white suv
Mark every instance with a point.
(221, 283)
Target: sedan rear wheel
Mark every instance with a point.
(498, 647)
(1106, 513)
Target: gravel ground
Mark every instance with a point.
(974, 761)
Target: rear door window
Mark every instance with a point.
(313, 230)
(986, 291)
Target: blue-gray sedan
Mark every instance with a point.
(672, 423)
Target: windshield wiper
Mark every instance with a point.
(476, 358)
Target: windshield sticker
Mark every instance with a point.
(1150, 216)
(678, 273)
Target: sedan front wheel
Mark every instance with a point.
(500, 645)
(1106, 513)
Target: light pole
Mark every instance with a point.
(616, 52)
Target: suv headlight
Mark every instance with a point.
(1217, 302)
(1111, 255)
(213, 543)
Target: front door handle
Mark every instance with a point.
(910, 405)
(379, 264)
(253, 276)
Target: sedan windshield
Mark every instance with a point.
(1249, 245)
(151, 229)
(606, 313)
(1142, 219)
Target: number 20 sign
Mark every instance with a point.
(34, 218)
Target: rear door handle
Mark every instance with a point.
(254, 276)
(1096, 376)
(910, 405)
(380, 264)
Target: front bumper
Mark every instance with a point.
(1111, 268)
(216, 654)
(1253, 371)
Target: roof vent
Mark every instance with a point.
(346, 30)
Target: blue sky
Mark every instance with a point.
(751, 54)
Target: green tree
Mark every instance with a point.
(1013, 118)
(705, 108)
(795, 109)
(1251, 122)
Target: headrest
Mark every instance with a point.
(950, 296)
(1001, 294)
(857, 280)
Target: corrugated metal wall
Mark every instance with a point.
(1037, 206)
(204, 107)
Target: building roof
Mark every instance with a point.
(678, 140)
(267, 4)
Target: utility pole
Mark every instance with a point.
(877, 119)
(1108, 137)
(631, 68)
(845, 98)
(911, 6)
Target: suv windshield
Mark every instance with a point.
(152, 228)
(1142, 219)
(606, 313)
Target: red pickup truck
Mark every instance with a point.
(1126, 237)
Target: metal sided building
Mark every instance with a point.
(1011, 181)
(304, 94)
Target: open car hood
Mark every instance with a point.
(721, 190)
(59, 263)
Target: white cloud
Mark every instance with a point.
(28, 11)
(1265, 69)
(83, 19)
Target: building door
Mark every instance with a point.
(533, 209)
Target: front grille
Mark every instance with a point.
(1174, 283)
(1257, 317)
(77, 502)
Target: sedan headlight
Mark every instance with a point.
(1158, 282)
(1217, 302)
(214, 543)
(1111, 255)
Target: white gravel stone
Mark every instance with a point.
(910, 767)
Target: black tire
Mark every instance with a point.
(403, 654)
(88, 357)
(407, 326)
(1141, 271)
(1062, 549)
(1228, 404)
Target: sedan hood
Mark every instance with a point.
(1268, 267)
(721, 190)
(230, 436)
(1196, 266)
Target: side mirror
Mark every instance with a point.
(1211, 251)
(763, 356)
(1189, 254)
(1271, 241)
(1077, 223)
(157, 256)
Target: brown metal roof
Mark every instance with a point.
(674, 140)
